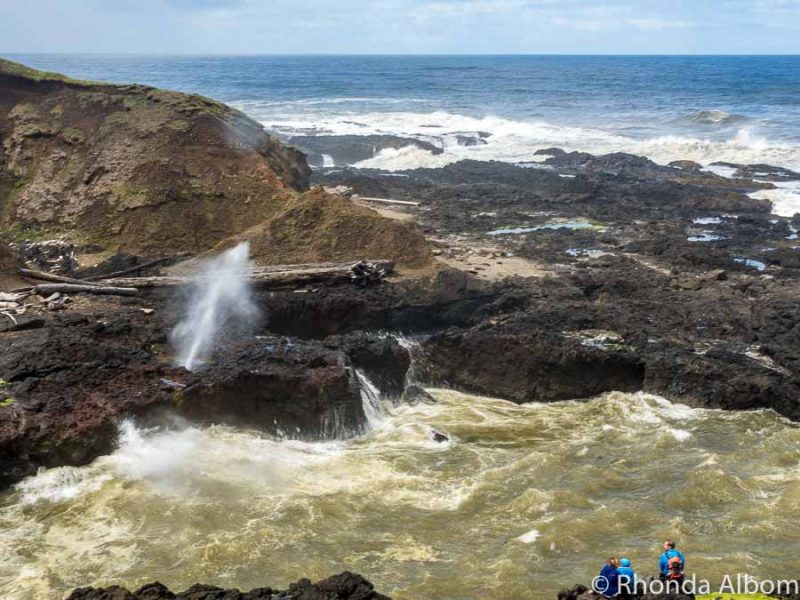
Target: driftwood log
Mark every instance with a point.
(43, 276)
(277, 276)
(46, 289)
(364, 272)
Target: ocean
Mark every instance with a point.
(742, 109)
(520, 497)
(515, 505)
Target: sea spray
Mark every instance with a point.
(220, 301)
(370, 401)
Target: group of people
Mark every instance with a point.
(618, 577)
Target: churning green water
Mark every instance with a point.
(522, 501)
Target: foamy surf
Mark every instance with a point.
(516, 141)
(548, 480)
(785, 198)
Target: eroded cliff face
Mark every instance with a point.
(134, 167)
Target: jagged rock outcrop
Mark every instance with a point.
(528, 366)
(618, 325)
(133, 166)
(67, 384)
(345, 586)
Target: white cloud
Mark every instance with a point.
(478, 7)
(653, 24)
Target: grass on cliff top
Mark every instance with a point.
(13, 69)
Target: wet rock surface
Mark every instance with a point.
(649, 311)
(345, 586)
(581, 592)
(693, 276)
(67, 384)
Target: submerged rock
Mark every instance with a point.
(345, 586)
(438, 436)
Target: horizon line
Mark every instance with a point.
(378, 54)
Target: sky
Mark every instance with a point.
(401, 26)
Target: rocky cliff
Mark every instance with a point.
(150, 171)
(132, 166)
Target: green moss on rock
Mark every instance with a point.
(12, 69)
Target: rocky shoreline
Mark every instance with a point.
(560, 279)
(345, 586)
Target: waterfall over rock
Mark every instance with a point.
(371, 401)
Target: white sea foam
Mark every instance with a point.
(60, 484)
(530, 537)
(517, 140)
(408, 157)
(785, 198)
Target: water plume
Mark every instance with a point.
(220, 302)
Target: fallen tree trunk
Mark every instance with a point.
(46, 289)
(43, 276)
(364, 272)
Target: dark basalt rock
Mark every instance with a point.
(438, 436)
(762, 172)
(345, 586)
(302, 388)
(581, 592)
(416, 393)
(72, 380)
(693, 343)
(296, 388)
(450, 297)
(688, 166)
(528, 366)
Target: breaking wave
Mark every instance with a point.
(516, 141)
(714, 117)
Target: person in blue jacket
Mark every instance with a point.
(608, 581)
(672, 564)
(627, 576)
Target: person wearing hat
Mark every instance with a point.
(627, 576)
